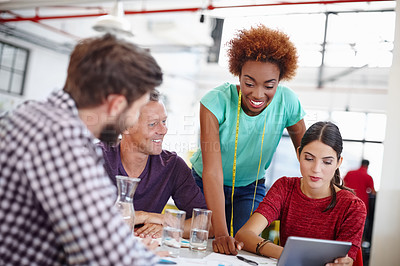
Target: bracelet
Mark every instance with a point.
(261, 244)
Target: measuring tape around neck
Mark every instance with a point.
(234, 159)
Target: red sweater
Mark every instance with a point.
(303, 216)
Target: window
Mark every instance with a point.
(284, 162)
(363, 135)
(354, 39)
(13, 63)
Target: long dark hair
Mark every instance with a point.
(329, 134)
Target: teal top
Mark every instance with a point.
(284, 110)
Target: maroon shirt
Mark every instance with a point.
(165, 175)
(303, 216)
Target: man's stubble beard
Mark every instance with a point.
(111, 132)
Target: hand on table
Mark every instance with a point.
(345, 261)
(152, 245)
(149, 230)
(226, 245)
(142, 217)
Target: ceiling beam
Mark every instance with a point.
(192, 9)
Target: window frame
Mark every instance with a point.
(13, 70)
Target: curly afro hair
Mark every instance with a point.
(264, 45)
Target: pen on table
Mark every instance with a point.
(251, 262)
(164, 261)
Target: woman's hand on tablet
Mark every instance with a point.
(345, 261)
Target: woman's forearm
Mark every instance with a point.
(212, 170)
(215, 199)
(249, 234)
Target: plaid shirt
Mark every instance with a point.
(56, 201)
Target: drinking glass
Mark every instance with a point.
(174, 221)
(201, 221)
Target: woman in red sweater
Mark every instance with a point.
(316, 205)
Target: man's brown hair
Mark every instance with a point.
(106, 65)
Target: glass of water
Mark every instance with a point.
(174, 221)
(201, 221)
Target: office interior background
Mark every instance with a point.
(348, 60)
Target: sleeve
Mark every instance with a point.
(352, 226)
(78, 198)
(216, 102)
(272, 204)
(109, 164)
(186, 194)
(294, 110)
(370, 182)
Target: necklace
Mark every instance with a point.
(234, 160)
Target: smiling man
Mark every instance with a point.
(163, 173)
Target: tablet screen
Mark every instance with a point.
(302, 251)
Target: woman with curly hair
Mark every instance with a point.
(241, 126)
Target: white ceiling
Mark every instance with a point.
(168, 22)
(164, 24)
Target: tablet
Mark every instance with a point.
(302, 251)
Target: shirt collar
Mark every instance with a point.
(64, 101)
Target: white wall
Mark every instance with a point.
(182, 100)
(46, 71)
(386, 230)
(330, 99)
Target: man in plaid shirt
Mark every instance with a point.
(56, 201)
